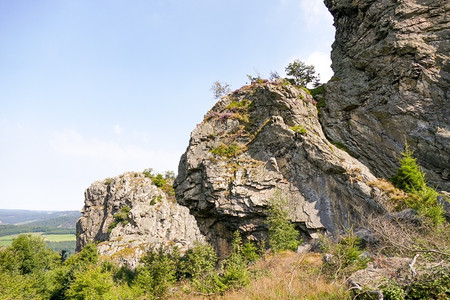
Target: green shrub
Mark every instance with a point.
(27, 254)
(321, 103)
(282, 234)
(226, 150)
(235, 266)
(120, 217)
(345, 256)
(422, 198)
(393, 291)
(198, 261)
(306, 90)
(164, 182)
(159, 272)
(239, 105)
(107, 181)
(434, 285)
(159, 180)
(409, 177)
(250, 252)
(299, 129)
(318, 90)
(91, 284)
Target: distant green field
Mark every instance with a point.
(59, 237)
(7, 240)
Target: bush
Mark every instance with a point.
(120, 217)
(164, 182)
(159, 272)
(344, 257)
(431, 286)
(299, 129)
(282, 234)
(28, 254)
(422, 198)
(91, 284)
(235, 266)
(409, 178)
(226, 150)
(198, 261)
(302, 73)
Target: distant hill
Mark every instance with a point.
(61, 219)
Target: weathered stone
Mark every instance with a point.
(153, 220)
(263, 138)
(391, 60)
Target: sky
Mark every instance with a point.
(91, 89)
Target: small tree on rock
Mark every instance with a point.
(302, 73)
(282, 233)
(220, 89)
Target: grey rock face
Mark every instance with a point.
(263, 138)
(391, 60)
(153, 220)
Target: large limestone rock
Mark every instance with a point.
(152, 220)
(259, 139)
(391, 60)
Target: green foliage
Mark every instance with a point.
(239, 105)
(120, 217)
(28, 254)
(299, 129)
(107, 181)
(282, 234)
(318, 90)
(393, 292)
(250, 252)
(409, 178)
(91, 284)
(198, 261)
(226, 150)
(160, 268)
(422, 198)
(87, 256)
(321, 103)
(431, 286)
(220, 89)
(306, 90)
(301, 73)
(235, 270)
(345, 256)
(164, 182)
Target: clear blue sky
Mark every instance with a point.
(90, 89)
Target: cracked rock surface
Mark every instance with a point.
(259, 139)
(391, 60)
(153, 220)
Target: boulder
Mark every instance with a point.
(128, 215)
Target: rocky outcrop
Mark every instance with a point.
(128, 215)
(391, 60)
(259, 139)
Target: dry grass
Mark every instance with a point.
(286, 275)
(396, 196)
